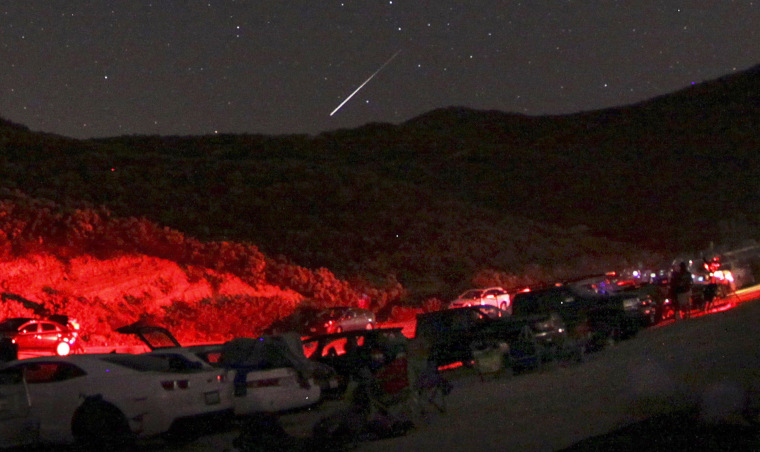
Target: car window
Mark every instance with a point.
(471, 294)
(178, 363)
(48, 327)
(31, 328)
(309, 348)
(36, 373)
(335, 347)
(212, 357)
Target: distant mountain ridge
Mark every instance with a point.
(439, 199)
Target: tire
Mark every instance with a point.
(98, 425)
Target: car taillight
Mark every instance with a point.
(221, 378)
(170, 385)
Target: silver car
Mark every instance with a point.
(493, 296)
(339, 319)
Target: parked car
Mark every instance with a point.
(298, 321)
(455, 334)
(589, 319)
(51, 335)
(639, 300)
(339, 319)
(268, 374)
(104, 400)
(349, 351)
(493, 296)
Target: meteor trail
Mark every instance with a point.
(365, 82)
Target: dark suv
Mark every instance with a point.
(349, 351)
(589, 318)
(455, 335)
(55, 334)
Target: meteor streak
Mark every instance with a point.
(365, 82)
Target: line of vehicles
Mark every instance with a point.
(104, 400)
(564, 320)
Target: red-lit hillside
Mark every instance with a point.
(107, 272)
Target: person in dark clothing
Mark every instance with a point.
(680, 290)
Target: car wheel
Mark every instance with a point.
(63, 349)
(98, 425)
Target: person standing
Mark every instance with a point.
(680, 290)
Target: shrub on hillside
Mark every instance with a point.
(223, 318)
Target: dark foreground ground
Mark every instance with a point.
(678, 431)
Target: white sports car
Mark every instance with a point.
(106, 399)
(266, 372)
(493, 296)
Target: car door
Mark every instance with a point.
(27, 336)
(48, 335)
(55, 389)
(349, 320)
(17, 428)
(491, 297)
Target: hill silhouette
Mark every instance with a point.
(445, 200)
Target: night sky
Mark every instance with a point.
(106, 68)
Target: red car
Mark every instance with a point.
(57, 335)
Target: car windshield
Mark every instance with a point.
(331, 313)
(12, 324)
(471, 294)
(142, 363)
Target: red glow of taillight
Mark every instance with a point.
(221, 378)
(168, 385)
(183, 384)
(451, 366)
